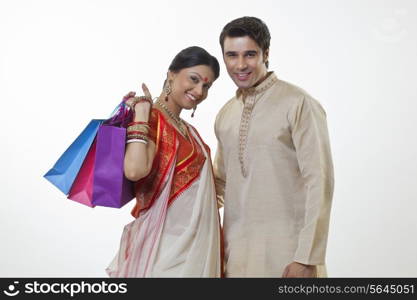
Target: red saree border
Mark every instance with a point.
(148, 188)
(185, 172)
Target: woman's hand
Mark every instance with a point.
(141, 108)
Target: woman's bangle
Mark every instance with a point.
(138, 128)
(130, 132)
(138, 123)
(137, 141)
(141, 99)
(137, 136)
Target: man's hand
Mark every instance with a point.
(298, 270)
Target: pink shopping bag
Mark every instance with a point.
(82, 188)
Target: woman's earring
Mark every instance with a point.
(167, 90)
(194, 109)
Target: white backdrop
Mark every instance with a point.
(63, 63)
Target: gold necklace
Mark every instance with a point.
(177, 120)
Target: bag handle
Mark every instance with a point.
(121, 115)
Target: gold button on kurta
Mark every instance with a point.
(274, 173)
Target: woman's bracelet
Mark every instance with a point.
(138, 123)
(138, 136)
(141, 99)
(130, 132)
(137, 141)
(138, 128)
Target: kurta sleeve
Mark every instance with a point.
(311, 142)
(219, 168)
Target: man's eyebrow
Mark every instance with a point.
(246, 52)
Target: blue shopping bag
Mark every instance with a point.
(63, 173)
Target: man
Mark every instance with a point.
(273, 165)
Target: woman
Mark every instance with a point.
(176, 232)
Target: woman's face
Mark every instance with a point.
(190, 85)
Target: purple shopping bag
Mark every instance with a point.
(110, 187)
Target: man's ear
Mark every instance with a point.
(266, 55)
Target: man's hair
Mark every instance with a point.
(253, 27)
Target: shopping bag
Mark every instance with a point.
(82, 188)
(110, 187)
(63, 173)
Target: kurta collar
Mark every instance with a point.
(260, 88)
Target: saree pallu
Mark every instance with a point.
(174, 239)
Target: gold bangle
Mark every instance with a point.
(138, 128)
(141, 99)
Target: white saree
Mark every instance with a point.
(179, 240)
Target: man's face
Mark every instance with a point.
(245, 61)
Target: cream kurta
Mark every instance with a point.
(274, 170)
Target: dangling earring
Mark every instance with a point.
(167, 90)
(194, 109)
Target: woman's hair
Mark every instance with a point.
(194, 56)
